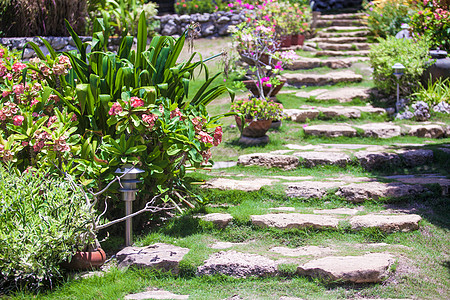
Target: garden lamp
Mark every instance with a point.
(398, 72)
(128, 191)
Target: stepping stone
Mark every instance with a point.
(224, 245)
(218, 219)
(339, 111)
(313, 93)
(155, 295)
(343, 62)
(324, 34)
(342, 16)
(342, 53)
(370, 109)
(286, 162)
(337, 211)
(345, 28)
(380, 130)
(345, 94)
(372, 267)
(312, 159)
(359, 192)
(386, 223)
(377, 160)
(423, 179)
(336, 22)
(301, 115)
(305, 63)
(341, 39)
(428, 131)
(334, 130)
(419, 157)
(294, 220)
(300, 79)
(157, 256)
(242, 185)
(238, 264)
(282, 209)
(344, 47)
(302, 251)
(311, 189)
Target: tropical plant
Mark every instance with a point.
(258, 109)
(435, 92)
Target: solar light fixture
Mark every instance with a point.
(398, 72)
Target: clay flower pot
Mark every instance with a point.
(253, 128)
(85, 260)
(297, 39)
(285, 41)
(251, 86)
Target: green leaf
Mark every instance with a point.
(82, 95)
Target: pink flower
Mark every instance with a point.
(73, 118)
(161, 108)
(149, 119)
(268, 84)
(18, 120)
(2, 52)
(5, 93)
(230, 5)
(51, 120)
(115, 109)
(206, 155)
(34, 102)
(64, 60)
(18, 89)
(24, 143)
(218, 136)
(53, 98)
(18, 66)
(205, 138)
(9, 76)
(175, 113)
(136, 102)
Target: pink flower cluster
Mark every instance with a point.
(136, 102)
(63, 65)
(150, 120)
(10, 111)
(60, 144)
(6, 155)
(115, 109)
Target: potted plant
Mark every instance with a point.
(255, 115)
(300, 23)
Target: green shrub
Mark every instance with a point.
(434, 93)
(199, 6)
(413, 54)
(42, 221)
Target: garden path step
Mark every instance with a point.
(342, 39)
(344, 46)
(295, 220)
(342, 53)
(332, 62)
(333, 130)
(373, 267)
(155, 294)
(323, 23)
(308, 112)
(221, 220)
(424, 179)
(361, 33)
(302, 251)
(299, 79)
(346, 94)
(345, 28)
(386, 223)
(342, 16)
(249, 186)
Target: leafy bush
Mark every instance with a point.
(435, 92)
(41, 17)
(41, 222)
(385, 17)
(413, 54)
(200, 6)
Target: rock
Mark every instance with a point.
(341, 39)
(337, 22)
(372, 267)
(170, 28)
(238, 264)
(345, 28)
(185, 18)
(312, 159)
(218, 219)
(345, 94)
(324, 34)
(377, 160)
(359, 192)
(158, 256)
(344, 47)
(224, 245)
(202, 18)
(310, 189)
(208, 29)
(339, 111)
(422, 180)
(294, 220)
(286, 162)
(302, 251)
(305, 63)
(418, 157)
(342, 53)
(337, 211)
(158, 294)
(223, 20)
(301, 115)
(223, 30)
(428, 131)
(370, 109)
(251, 141)
(255, 184)
(380, 130)
(313, 93)
(386, 223)
(301, 79)
(342, 16)
(330, 130)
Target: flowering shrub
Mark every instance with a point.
(258, 109)
(201, 6)
(433, 21)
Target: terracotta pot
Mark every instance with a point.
(251, 86)
(275, 124)
(264, 59)
(85, 260)
(255, 129)
(297, 39)
(285, 41)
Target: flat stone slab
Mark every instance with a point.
(294, 220)
(333, 130)
(359, 192)
(377, 160)
(337, 211)
(242, 185)
(372, 267)
(342, 95)
(158, 256)
(301, 79)
(313, 93)
(337, 22)
(302, 251)
(311, 189)
(155, 295)
(342, 53)
(324, 34)
(340, 111)
(301, 115)
(224, 245)
(380, 130)
(316, 158)
(433, 131)
(411, 179)
(342, 16)
(345, 28)
(344, 47)
(238, 264)
(305, 63)
(286, 162)
(340, 39)
(386, 223)
(416, 157)
(219, 219)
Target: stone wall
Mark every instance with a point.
(214, 24)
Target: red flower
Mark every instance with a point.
(218, 136)
(136, 102)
